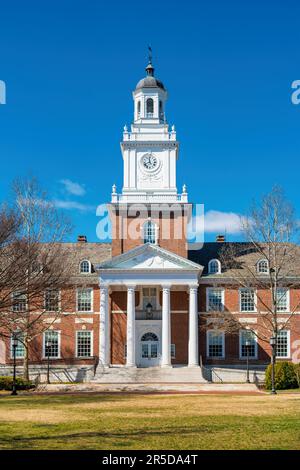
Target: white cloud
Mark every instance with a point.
(221, 222)
(73, 188)
(73, 205)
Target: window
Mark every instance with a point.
(149, 297)
(150, 107)
(173, 351)
(20, 349)
(84, 300)
(19, 302)
(52, 300)
(215, 344)
(282, 300)
(149, 232)
(149, 337)
(214, 299)
(84, 343)
(161, 113)
(85, 267)
(139, 108)
(263, 266)
(214, 266)
(36, 268)
(247, 300)
(283, 344)
(53, 349)
(248, 335)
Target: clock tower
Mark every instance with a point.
(150, 148)
(150, 153)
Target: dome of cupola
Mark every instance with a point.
(150, 81)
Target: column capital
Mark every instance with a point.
(166, 287)
(193, 287)
(130, 287)
(103, 286)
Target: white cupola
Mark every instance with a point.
(149, 98)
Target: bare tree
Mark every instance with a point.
(39, 265)
(266, 265)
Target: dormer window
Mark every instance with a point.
(263, 266)
(85, 267)
(149, 230)
(214, 266)
(149, 107)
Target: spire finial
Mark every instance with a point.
(150, 68)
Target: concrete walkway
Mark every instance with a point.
(147, 388)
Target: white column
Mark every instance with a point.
(104, 327)
(193, 327)
(166, 328)
(130, 360)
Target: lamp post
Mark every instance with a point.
(149, 313)
(14, 346)
(247, 346)
(273, 345)
(48, 346)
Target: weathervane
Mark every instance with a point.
(150, 54)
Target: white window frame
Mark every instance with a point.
(287, 300)
(240, 300)
(59, 345)
(147, 222)
(59, 301)
(76, 344)
(214, 260)
(16, 333)
(208, 289)
(141, 302)
(255, 346)
(13, 298)
(90, 267)
(92, 300)
(208, 333)
(288, 356)
(258, 263)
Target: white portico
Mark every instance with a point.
(148, 334)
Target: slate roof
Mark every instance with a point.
(248, 255)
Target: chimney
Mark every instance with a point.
(220, 238)
(81, 239)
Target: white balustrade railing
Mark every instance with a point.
(125, 198)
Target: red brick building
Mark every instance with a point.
(149, 300)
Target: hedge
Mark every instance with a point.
(285, 376)
(22, 384)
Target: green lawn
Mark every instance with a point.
(150, 421)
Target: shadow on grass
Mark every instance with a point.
(68, 399)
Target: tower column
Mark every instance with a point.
(104, 356)
(166, 328)
(193, 326)
(130, 359)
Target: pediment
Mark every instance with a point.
(150, 257)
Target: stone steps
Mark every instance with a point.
(149, 388)
(149, 375)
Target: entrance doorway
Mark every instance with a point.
(149, 350)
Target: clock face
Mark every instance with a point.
(149, 161)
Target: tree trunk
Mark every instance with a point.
(26, 359)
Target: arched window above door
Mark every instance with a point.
(149, 337)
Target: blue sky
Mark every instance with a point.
(70, 68)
